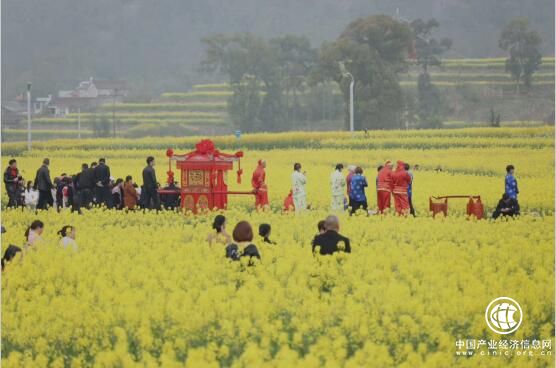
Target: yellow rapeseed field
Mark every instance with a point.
(146, 290)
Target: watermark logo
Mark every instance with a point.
(503, 315)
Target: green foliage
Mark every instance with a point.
(428, 49)
(244, 105)
(101, 126)
(261, 75)
(428, 52)
(523, 46)
(373, 50)
(430, 103)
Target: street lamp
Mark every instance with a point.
(345, 73)
(29, 116)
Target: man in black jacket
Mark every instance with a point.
(331, 241)
(11, 178)
(85, 185)
(44, 185)
(506, 207)
(150, 185)
(102, 184)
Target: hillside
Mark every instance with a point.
(471, 87)
(156, 46)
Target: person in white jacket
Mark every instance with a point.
(337, 186)
(30, 196)
(298, 188)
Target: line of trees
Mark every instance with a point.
(275, 82)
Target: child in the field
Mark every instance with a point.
(220, 235)
(68, 237)
(264, 232)
(33, 234)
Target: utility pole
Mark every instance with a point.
(29, 116)
(114, 113)
(79, 122)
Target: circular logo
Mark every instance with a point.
(503, 315)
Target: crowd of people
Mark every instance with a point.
(349, 192)
(33, 238)
(93, 185)
(240, 243)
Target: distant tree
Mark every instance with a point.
(101, 125)
(428, 49)
(252, 67)
(523, 46)
(494, 119)
(429, 103)
(373, 50)
(296, 58)
(428, 53)
(259, 72)
(245, 103)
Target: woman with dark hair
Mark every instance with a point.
(357, 194)
(219, 235)
(242, 246)
(337, 185)
(117, 194)
(68, 237)
(31, 196)
(34, 232)
(299, 180)
(9, 254)
(130, 194)
(264, 232)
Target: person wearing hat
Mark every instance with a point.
(384, 187)
(259, 185)
(401, 181)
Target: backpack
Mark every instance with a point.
(232, 252)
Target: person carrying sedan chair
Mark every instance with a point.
(258, 182)
(401, 181)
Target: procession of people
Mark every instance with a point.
(94, 185)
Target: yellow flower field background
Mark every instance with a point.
(146, 290)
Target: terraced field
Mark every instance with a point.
(470, 86)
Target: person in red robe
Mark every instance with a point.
(400, 181)
(289, 205)
(259, 186)
(384, 187)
